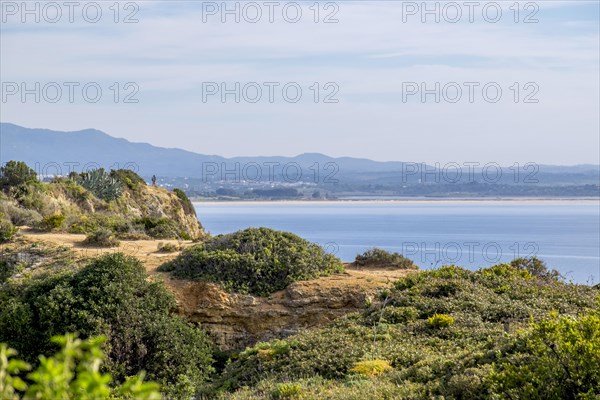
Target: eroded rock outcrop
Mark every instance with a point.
(238, 320)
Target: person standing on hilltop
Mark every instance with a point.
(153, 180)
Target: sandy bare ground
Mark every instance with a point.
(147, 252)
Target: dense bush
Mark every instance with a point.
(256, 260)
(128, 178)
(167, 247)
(52, 222)
(111, 296)
(287, 391)
(160, 228)
(371, 367)
(535, 267)
(101, 238)
(72, 373)
(7, 230)
(557, 358)
(477, 354)
(19, 216)
(14, 174)
(440, 321)
(376, 257)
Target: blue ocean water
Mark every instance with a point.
(565, 234)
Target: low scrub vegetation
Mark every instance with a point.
(52, 222)
(440, 321)
(7, 230)
(371, 368)
(256, 260)
(185, 201)
(377, 257)
(86, 202)
(502, 332)
(162, 247)
(101, 238)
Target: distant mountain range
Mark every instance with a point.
(44, 147)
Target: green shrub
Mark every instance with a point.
(101, 238)
(167, 247)
(9, 267)
(128, 178)
(440, 321)
(187, 205)
(535, 267)
(20, 216)
(287, 391)
(557, 358)
(72, 373)
(256, 260)
(159, 228)
(16, 173)
(376, 257)
(7, 231)
(110, 296)
(52, 222)
(370, 368)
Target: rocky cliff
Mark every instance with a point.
(140, 211)
(238, 320)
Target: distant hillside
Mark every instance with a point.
(42, 147)
(45, 146)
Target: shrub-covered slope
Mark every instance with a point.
(509, 331)
(118, 201)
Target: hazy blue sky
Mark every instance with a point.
(371, 55)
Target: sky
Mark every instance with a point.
(500, 82)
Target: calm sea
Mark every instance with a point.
(565, 234)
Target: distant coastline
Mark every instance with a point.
(446, 200)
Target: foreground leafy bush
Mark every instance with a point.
(72, 373)
(557, 358)
(111, 296)
(256, 260)
(377, 257)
